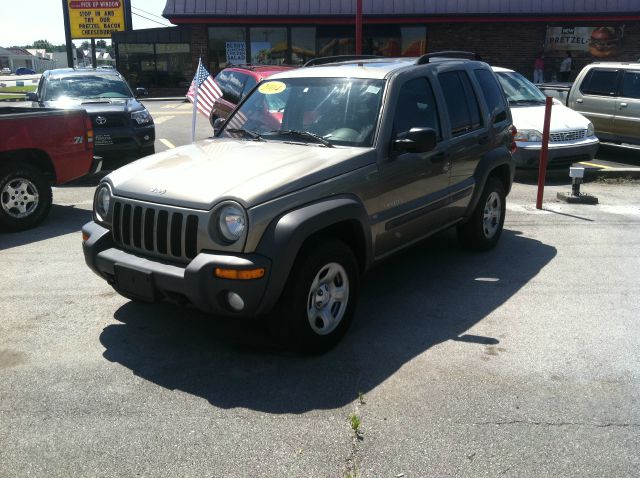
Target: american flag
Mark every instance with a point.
(208, 90)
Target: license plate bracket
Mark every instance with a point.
(135, 283)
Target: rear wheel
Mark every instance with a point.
(319, 301)
(484, 228)
(25, 197)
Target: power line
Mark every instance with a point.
(149, 13)
(151, 19)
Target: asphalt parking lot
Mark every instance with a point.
(521, 362)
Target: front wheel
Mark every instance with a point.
(484, 227)
(25, 197)
(319, 301)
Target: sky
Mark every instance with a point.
(43, 20)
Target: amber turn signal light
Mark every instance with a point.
(85, 237)
(245, 274)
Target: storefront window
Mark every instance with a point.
(173, 64)
(303, 44)
(137, 63)
(414, 41)
(336, 41)
(268, 45)
(226, 46)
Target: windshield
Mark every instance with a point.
(519, 90)
(326, 111)
(84, 87)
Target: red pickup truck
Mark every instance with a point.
(39, 147)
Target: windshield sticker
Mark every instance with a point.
(372, 89)
(272, 88)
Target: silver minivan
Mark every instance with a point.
(608, 93)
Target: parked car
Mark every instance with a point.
(571, 139)
(608, 93)
(279, 215)
(124, 127)
(30, 161)
(6, 71)
(25, 71)
(236, 83)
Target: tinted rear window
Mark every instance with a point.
(462, 103)
(631, 85)
(231, 84)
(492, 91)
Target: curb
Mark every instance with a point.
(603, 173)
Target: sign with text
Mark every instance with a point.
(599, 42)
(236, 52)
(95, 18)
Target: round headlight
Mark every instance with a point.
(231, 222)
(103, 203)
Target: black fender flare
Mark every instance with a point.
(492, 160)
(286, 234)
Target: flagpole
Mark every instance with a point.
(195, 103)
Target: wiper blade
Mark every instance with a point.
(246, 132)
(526, 102)
(303, 134)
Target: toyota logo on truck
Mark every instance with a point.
(101, 120)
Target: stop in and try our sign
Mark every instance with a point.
(95, 18)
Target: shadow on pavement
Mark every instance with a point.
(60, 221)
(430, 294)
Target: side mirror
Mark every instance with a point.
(31, 97)
(218, 124)
(416, 140)
(140, 92)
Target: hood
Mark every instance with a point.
(200, 175)
(562, 118)
(98, 105)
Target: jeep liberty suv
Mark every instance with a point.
(283, 210)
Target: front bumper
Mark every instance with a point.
(110, 142)
(527, 155)
(151, 279)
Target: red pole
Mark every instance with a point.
(358, 27)
(544, 151)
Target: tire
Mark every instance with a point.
(483, 229)
(25, 197)
(309, 319)
(146, 151)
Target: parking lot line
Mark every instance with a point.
(167, 143)
(595, 165)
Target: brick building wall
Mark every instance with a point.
(515, 45)
(199, 45)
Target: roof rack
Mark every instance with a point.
(323, 60)
(448, 54)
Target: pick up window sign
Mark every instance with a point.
(95, 18)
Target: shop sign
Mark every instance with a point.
(236, 52)
(599, 42)
(172, 48)
(95, 18)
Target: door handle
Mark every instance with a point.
(623, 105)
(579, 100)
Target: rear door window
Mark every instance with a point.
(231, 84)
(461, 100)
(631, 84)
(600, 82)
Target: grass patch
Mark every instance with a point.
(18, 89)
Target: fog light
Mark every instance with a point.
(146, 137)
(235, 301)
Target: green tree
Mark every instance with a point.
(101, 44)
(43, 44)
(85, 45)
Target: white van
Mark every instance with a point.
(571, 138)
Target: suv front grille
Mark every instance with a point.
(568, 136)
(108, 121)
(162, 232)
